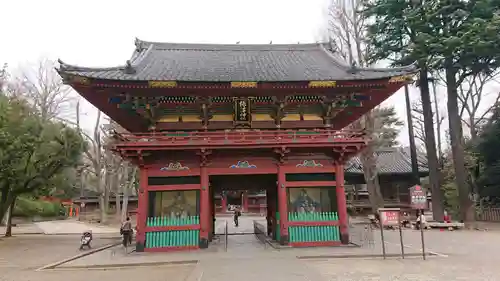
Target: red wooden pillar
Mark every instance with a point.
(270, 212)
(245, 201)
(142, 210)
(205, 212)
(341, 203)
(212, 214)
(223, 202)
(282, 206)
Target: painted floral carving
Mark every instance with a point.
(242, 165)
(309, 164)
(174, 166)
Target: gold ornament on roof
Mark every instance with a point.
(401, 78)
(243, 84)
(162, 84)
(322, 84)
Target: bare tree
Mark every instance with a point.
(4, 76)
(120, 174)
(94, 156)
(127, 188)
(348, 29)
(471, 97)
(419, 128)
(44, 88)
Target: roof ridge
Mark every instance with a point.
(228, 47)
(71, 67)
(134, 61)
(139, 55)
(420, 161)
(334, 59)
(411, 67)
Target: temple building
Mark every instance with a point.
(208, 119)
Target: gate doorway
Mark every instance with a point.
(257, 209)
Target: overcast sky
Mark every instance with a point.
(102, 33)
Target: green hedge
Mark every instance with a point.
(26, 207)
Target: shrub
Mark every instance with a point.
(26, 207)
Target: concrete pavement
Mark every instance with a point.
(74, 227)
(471, 255)
(61, 227)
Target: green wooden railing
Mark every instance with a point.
(172, 238)
(313, 233)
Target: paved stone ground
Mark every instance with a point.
(74, 227)
(472, 255)
(20, 256)
(69, 226)
(23, 228)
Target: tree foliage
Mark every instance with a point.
(489, 159)
(459, 38)
(33, 151)
(387, 126)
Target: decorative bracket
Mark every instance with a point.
(282, 152)
(346, 151)
(204, 153)
(140, 157)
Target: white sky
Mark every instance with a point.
(102, 33)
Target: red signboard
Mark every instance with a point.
(389, 216)
(418, 197)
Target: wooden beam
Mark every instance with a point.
(174, 187)
(289, 184)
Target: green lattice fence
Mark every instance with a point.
(305, 233)
(172, 238)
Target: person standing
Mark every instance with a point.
(237, 214)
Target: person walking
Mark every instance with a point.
(237, 214)
(126, 231)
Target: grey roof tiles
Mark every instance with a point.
(225, 63)
(389, 161)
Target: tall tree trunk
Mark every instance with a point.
(10, 213)
(107, 188)
(124, 213)
(3, 206)
(117, 181)
(126, 190)
(118, 202)
(369, 161)
(457, 148)
(102, 208)
(438, 125)
(102, 201)
(430, 146)
(5, 202)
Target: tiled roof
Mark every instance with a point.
(389, 161)
(225, 63)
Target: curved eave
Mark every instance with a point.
(80, 79)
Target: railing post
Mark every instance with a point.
(204, 207)
(282, 206)
(341, 203)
